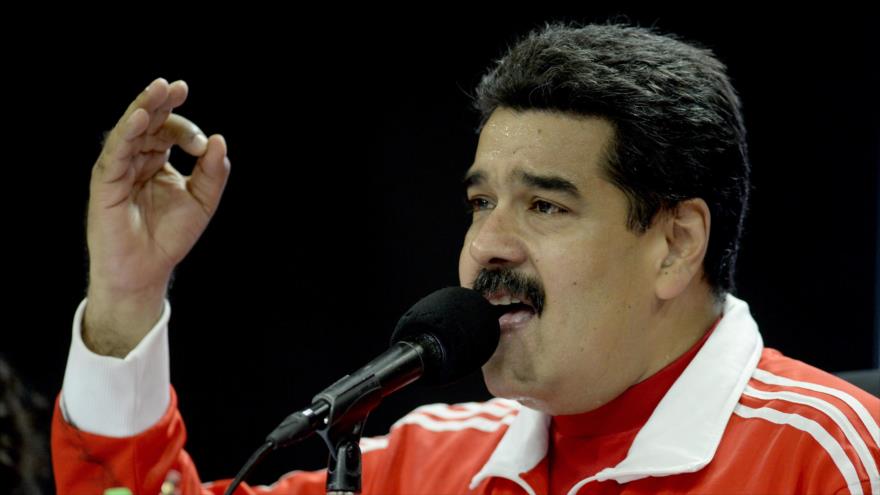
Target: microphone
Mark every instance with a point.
(443, 337)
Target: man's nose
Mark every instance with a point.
(497, 242)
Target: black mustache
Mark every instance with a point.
(489, 282)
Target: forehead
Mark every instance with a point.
(542, 142)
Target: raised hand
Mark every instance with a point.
(144, 216)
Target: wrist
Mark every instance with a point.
(115, 322)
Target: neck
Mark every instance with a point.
(678, 324)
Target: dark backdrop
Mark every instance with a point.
(348, 139)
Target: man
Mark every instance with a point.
(607, 157)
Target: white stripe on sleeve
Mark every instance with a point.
(475, 423)
(815, 430)
(860, 410)
(838, 417)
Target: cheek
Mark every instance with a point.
(571, 271)
(466, 272)
(595, 265)
(584, 291)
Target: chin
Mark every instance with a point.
(496, 382)
(501, 384)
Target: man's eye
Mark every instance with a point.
(478, 204)
(547, 208)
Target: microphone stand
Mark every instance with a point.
(344, 464)
(343, 426)
(342, 409)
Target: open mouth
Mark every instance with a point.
(520, 311)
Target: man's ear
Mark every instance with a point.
(686, 231)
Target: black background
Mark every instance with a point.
(348, 138)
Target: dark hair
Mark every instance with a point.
(679, 133)
(24, 460)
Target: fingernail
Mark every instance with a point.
(150, 86)
(200, 141)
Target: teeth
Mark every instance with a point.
(504, 300)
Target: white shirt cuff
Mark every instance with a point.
(116, 397)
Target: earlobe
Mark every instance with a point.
(687, 238)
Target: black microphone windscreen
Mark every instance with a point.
(464, 326)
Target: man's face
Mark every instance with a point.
(545, 214)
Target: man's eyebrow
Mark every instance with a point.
(546, 182)
(473, 179)
(549, 182)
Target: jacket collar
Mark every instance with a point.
(682, 434)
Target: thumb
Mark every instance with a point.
(209, 176)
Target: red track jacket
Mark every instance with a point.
(739, 419)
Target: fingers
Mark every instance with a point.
(182, 132)
(177, 93)
(176, 130)
(209, 176)
(151, 98)
(135, 125)
(138, 147)
(144, 116)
